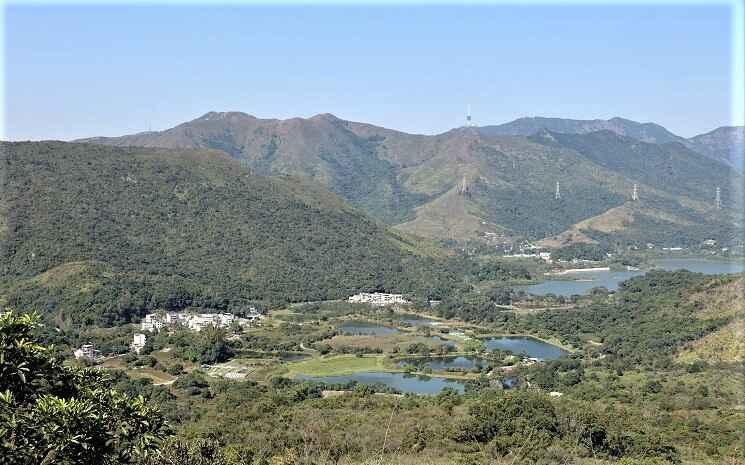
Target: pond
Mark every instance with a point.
(365, 328)
(583, 281)
(522, 344)
(400, 381)
(444, 363)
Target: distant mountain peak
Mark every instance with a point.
(224, 115)
(326, 116)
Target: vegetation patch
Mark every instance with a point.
(338, 365)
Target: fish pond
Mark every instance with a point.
(526, 345)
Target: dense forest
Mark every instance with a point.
(89, 226)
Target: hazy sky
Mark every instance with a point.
(85, 70)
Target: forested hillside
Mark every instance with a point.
(474, 183)
(111, 232)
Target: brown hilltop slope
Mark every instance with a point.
(415, 181)
(727, 344)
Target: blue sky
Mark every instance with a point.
(78, 71)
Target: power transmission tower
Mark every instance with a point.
(464, 188)
(635, 194)
(557, 195)
(719, 198)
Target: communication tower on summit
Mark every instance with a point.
(718, 198)
(469, 122)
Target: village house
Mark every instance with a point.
(87, 352)
(138, 342)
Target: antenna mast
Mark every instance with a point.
(469, 122)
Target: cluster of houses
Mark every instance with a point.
(155, 322)
(545, 256)
(377, 299)
(526, 250)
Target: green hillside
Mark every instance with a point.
(151, 228)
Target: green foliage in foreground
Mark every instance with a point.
(51, 413)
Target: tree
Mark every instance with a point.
(51, 413)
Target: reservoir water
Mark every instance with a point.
(525, 345)
(583, 281)
(400, 381)
(700, 265)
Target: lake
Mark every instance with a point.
(700, 265)
(400, 381)
(522, 344)
(365, 328)
(444, 363)
(586, 280)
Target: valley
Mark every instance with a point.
(372, 233)
(246, 302)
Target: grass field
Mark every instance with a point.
(338, 365)
(156, 376)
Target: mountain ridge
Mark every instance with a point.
(408, 180)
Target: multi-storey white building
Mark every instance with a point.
(138, 342)
(378, 299)
(152, 322)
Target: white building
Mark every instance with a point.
(87, 352)
(152, 322)
(254, 315)
(138, 342)
(378, 299)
